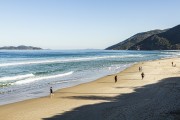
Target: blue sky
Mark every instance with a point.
(82, 24)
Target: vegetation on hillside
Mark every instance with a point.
(168, 39)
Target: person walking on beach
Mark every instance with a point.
(142, 75)
(140, 68)
(115, 78)
(51, 92)
(172, 63)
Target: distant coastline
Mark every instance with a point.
(21, 47)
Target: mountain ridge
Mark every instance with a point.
(126, 44)
(168, 40)
(151, 40)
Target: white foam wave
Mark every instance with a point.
(42, 78)
(18, 77)
(64, 60)
(64, 81)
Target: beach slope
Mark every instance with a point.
(156, 97)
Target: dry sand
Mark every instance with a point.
(156, 97)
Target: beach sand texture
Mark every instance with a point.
(156, 97)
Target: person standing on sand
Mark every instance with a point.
(142, 75)
(172, 63)
(140, 68)
(115, 78)
(51, 92)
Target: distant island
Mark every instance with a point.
(21, 47)
(168, 39)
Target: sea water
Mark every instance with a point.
(29, 74)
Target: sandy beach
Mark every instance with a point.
(156, 97)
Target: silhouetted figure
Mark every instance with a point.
(172, 64)
(51, 92)
(142, 75)
(115, 78)
(139, 69)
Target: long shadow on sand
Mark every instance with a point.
(159, 101)
(85, 93)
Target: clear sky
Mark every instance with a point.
(82, 24)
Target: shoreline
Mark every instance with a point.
(20, 91)
(69, 87)
(89, 81)
(67, 99)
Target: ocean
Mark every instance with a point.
(29, 74)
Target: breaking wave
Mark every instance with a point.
(65, 60)
(18, 77)
(42, 78)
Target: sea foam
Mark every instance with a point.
(18, 77)
(65, 60)
(42, 78)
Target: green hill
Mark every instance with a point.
(169, 40)
(126, 44)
